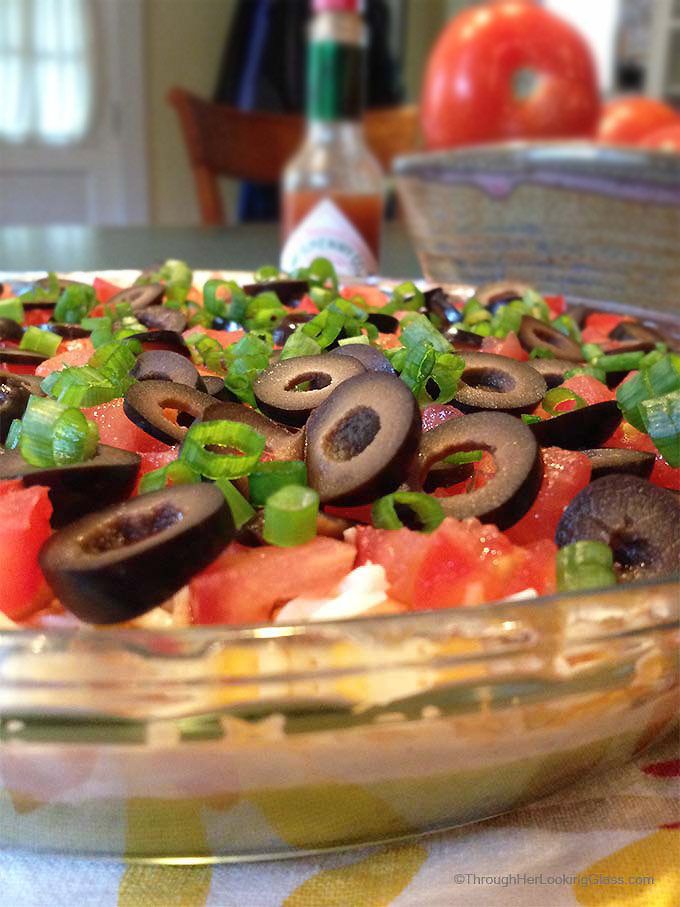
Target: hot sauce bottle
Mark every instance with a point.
(332, 189)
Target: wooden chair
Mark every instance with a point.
(245, 145)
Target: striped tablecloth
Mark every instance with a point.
(613, 841)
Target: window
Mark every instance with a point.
(47, 73)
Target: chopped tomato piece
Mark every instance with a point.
(505, 346)
(104, 290)
(306, 304)
(461, 563)
(24, 527)
(244, 585)
(117, 430)
(388, 341)
(224, 338)
(565, 473)
(75, 352)
(629, 437)
(436, 413)
(556, 304)
(373, 296)
(605, 322)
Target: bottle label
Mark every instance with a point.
(327, 233)
(334, 81)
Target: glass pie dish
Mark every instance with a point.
(227, 744)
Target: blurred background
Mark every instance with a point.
(87, 134)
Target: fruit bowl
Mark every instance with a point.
(228, 744)
(577, 218)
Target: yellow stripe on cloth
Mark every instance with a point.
(654, 856)
(371, 882)
(165, 886)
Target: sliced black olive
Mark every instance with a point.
(162, 340)
(386, 324)
(30, 382)
(281, 443)
(114, 565)
(606, 460)
(287, 326)
(161, 318)
(553, 370)
(15, 356)
(638, 520)
(589, 426)
(288, 391)
(462, 340)
(361, 440)
(289, 292)
(443, 305)
(78, 488)
(146, 401)
(535, 333)
(67, 331)
(491, 382)
(372, 359)
(140, 296)
(501, 292)
(10, 329)
(509, 494)
(13, 400)
(164, 365)
(214, 385)
(634, 331)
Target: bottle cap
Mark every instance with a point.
(347, 6)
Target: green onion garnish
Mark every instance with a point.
(561, 395)
(266, 478)
(299, 344)
(584, 565)
(620, 362)
(661, 418)
(44, 342)
(114, 360)
(590, 370)
(241, 510)
(462, 457)
(176, 473)
(591, 351)
(12, 308)
(541, 352)
(662, 377)
(14, 434)
(389, 512)
(247, 443)
(290, 516)
(54, 434)
(266, 273)
(528, 419)
(75, 303)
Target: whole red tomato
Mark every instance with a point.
(665, 139)
(626, 120)
(508, 70)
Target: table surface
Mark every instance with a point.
(241, 247)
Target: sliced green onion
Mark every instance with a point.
(290, 516)
(661, 418)
(387, 512)
(541, 352)
(419, 328)
(530, 420)
(406, 297)
(14, 434)
(321, 297)
(75, 303)
(222, 433)
(417, 367)
(81, 386)
(591, 351)
(584, 565)
(321, 272)
(299, 344)
(462, 457)
(214, 304)
(663, 377)
(590, 370)
(620, 362)
(266, 273)
(44, 342)
(448, 368)
(560, 395)
(54, 434)
(175, 473)
(12, 308)
(115, 359)
(241, 510)
(566, 325)
(267, 478)
(360, 338)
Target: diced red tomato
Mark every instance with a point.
(592, 390)
(306, 304)
(565, 473)
(154, 460)
(75, 352)
(36, 317)
(604, 322)
(104, 290)
(117, 430)
(556, 304)
(374, 297)
(461, 563)
(24, 527)
(245, 584)
(388, 341)
(224, 338)
(436, 413)
(505, 346)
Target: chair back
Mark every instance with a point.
(223, 141)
